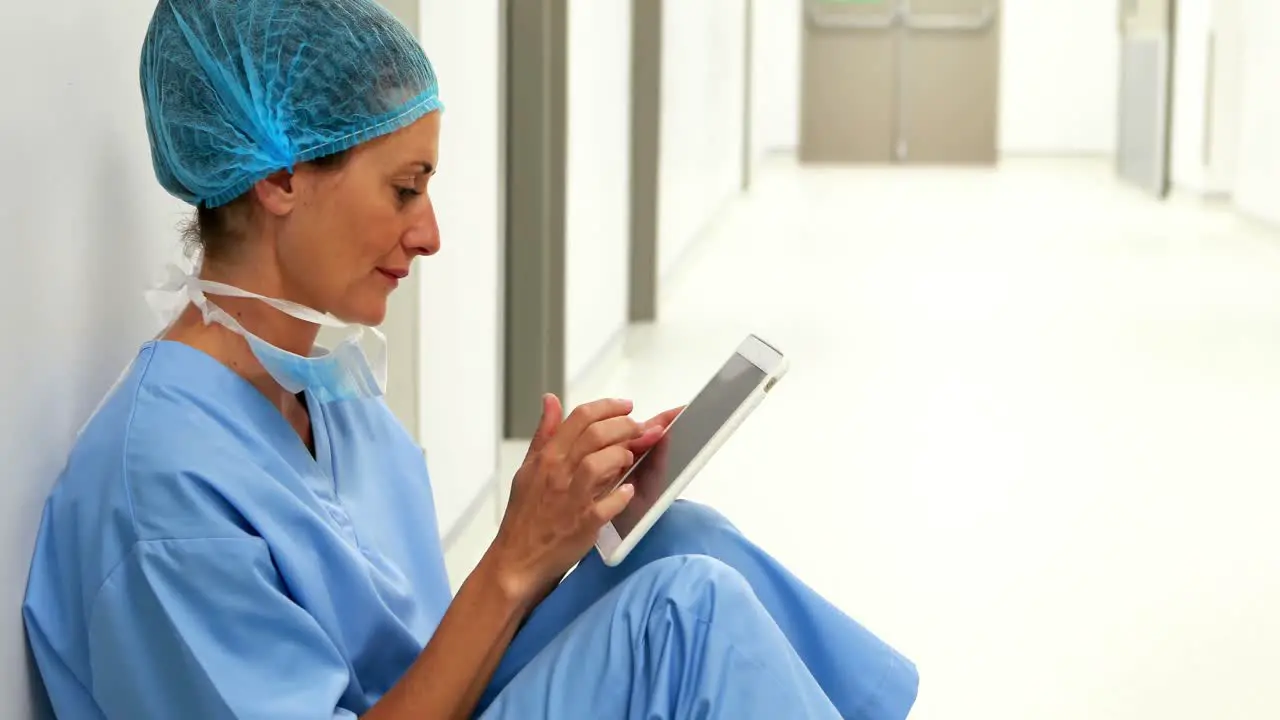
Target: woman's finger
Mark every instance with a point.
(603, 468)
(614, 503)
(552, 417)
(647, 440)
(664, 419)
(614, 431)
(654, 430)
(583, 417)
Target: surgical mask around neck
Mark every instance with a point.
(342, 372)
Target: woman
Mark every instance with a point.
(244, 531)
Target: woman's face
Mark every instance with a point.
(353, 232)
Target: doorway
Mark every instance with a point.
(900, 81)
(1143, 147)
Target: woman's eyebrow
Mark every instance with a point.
(420, 167)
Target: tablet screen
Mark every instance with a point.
(695, 427)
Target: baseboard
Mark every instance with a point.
(674, 275)
(485, 496)
(598, 366)
(774, 154)
(1056, 154)
(1258, 221)
(1190, 194)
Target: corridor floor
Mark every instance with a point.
(1029, 435)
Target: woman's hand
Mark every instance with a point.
(564, 492)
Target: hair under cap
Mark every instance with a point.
(235, 90)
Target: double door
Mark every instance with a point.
(887, 81)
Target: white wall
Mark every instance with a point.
(1224, 125)
(1059, 77)
(461, 287)
(85, 229)
(1190, 96)
(1207, 96)
(702, 118)
(598, 178)
(775, 87)
(1257, 183)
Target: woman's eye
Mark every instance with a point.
(409, 188)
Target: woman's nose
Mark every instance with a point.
(423, 238)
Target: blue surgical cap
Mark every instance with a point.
(235, 90)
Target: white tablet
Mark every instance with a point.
(661, 474)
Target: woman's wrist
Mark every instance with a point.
(505, 579)
(453, 670)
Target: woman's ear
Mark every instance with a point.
(276, 193)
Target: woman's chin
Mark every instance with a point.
(371, 312)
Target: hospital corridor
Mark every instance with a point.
(1027, 437)
(559, 359)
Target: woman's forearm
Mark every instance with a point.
(565, 490)
(448, 678)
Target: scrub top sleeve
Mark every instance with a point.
(204, 630)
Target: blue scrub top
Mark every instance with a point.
(194, 558)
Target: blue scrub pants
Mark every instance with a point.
(696, 623)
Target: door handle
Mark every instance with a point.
(953, 23)
(820, 18)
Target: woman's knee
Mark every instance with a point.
(687, 528)
(688, 511)
(695, 585)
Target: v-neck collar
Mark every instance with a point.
(232, 385)
(178, 365)
(320, 437)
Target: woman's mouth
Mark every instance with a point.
(393, 276)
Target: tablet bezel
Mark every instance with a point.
(614, 548)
